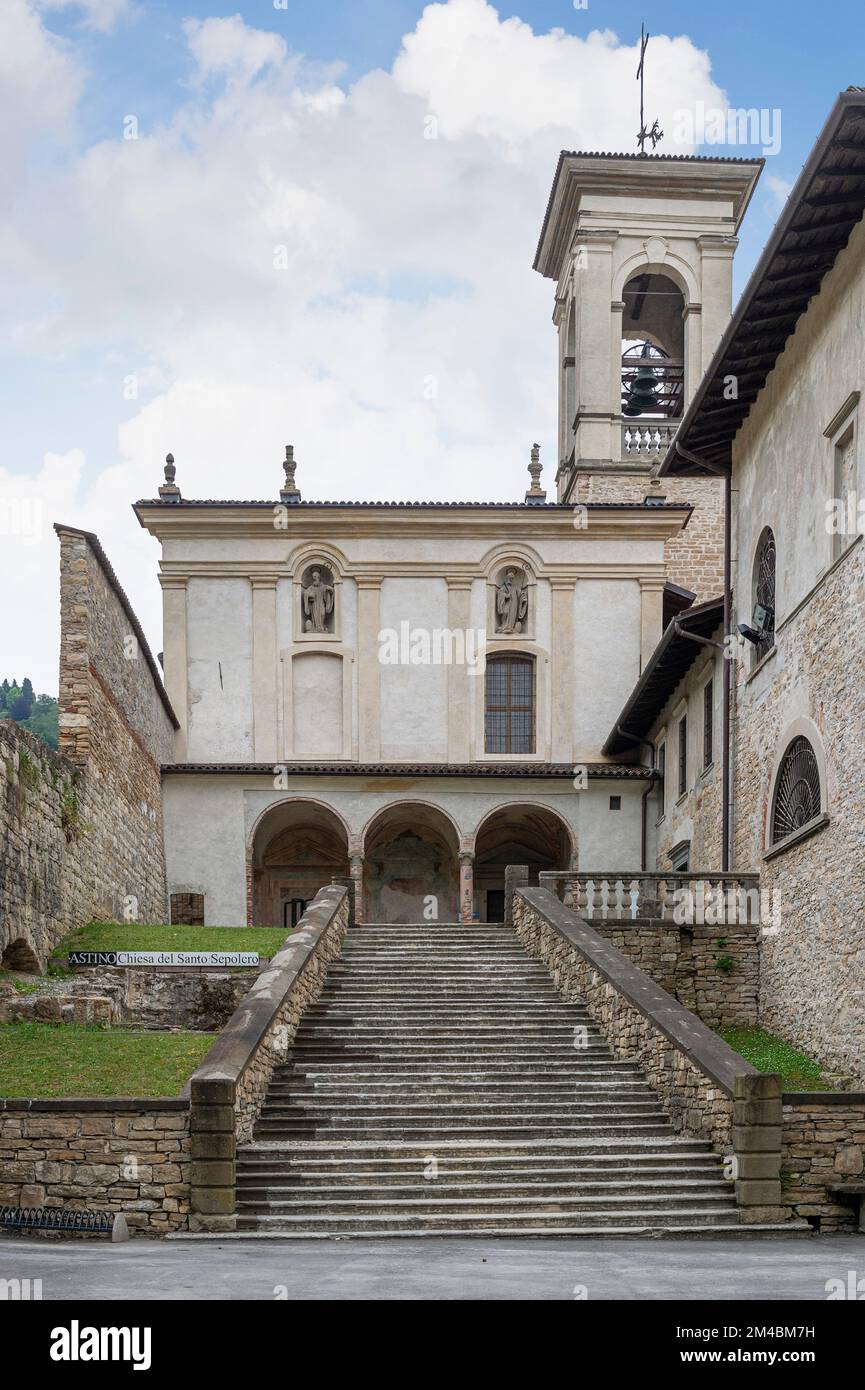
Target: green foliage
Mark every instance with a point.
(54, 1059)
(766, 1052)
(39, 714)
(134, 936)
(725, 964)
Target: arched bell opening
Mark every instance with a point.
(653, 348)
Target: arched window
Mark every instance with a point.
(797, 790)
(764, 594)
(509, 708)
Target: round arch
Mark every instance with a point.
(411, 864)
(523, 832)
(673, 267)
(802, 728)
(295, 847)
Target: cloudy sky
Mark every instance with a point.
(313, 221)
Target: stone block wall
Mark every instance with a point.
(824, 1148)
(99, 1155)
(813, 967)
(81, 831)
(200, 999)
(694, 557)
(685, 962)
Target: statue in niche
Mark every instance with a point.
(317, 598)
(512, 602)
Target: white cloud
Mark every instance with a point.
(778, 190)
(290, 259)
(40, 83)
(101, 15)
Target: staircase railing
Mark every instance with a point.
(688, 899)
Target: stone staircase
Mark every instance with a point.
(440, 1086)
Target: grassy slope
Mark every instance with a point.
(768, 1053)
(111, 936)
(44, 1059)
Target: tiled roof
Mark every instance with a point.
(814, 227)
(554, 770)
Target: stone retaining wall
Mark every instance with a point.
(824, 1148)
(198, 998)
(707, 1089)
(129, 1155)
(230, 1085)
(685, 961)
(81, 830)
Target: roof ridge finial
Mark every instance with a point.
(170, 492)
(289, 492)
(535, 493)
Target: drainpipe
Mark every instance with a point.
(728, 618)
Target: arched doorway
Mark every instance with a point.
(411, 865)
(520, 834)
(297, 848)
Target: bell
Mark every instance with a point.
(642, 396)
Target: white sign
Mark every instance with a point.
(225, 959)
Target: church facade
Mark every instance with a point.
(417, 694)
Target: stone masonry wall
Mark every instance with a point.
(685, 962)
(99, 1155)
(813, 966)
(81, 832)
(694, 558)
(824, 1147)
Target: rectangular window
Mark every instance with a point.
(662, 780)
(683, 755)
(509, 714)
(708, 723)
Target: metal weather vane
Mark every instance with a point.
(655, 134)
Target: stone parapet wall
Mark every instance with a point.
(824, 1149)
(230, 1085)
(126, 1155)
(707, 1089)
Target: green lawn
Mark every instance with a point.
(111, 936)
(768, 1053)
(50, 1059)
(22, 986)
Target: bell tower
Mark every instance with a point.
(640, 249)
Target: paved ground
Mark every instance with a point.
(435, 1270)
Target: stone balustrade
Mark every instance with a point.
(688, 899)
(647, 439)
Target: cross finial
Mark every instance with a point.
(656, 134)
(289, 492)
(535, 493)
(169, 491)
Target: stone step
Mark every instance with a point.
(400, 1204)
(592, 1072)
(312, 1105)
(539, 1221)
(501, 1092)
(274, 1178)
(435, 1132)
(570, 1151)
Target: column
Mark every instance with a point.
(264, 668)
(651, 617)
(467, 886)
(459, 701)
(356, 869)
(368, 669)
(174, 656)
(562, 671)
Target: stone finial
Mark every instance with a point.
(536, 493)
(289, 492)
(169, 491)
